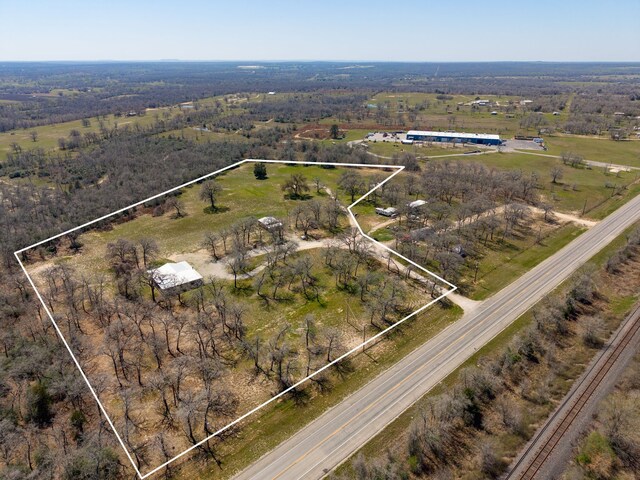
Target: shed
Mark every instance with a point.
(270, 223)
(416, 203)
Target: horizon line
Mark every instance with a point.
(177, 60)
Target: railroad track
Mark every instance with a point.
(584, 391)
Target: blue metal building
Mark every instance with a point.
(454, 137)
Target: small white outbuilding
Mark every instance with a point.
(416, 204)
(270, 223)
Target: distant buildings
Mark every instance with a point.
(454, 137)
(178, 277)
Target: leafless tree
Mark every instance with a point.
(296, 185)
(351, 183)
(177, 205)
(149, 249)
(556, 174)
(211, 241)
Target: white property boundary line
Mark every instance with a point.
(398, 169)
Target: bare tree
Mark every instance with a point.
(351, 183)
(556, 174)
(210, 192)
(211, 240)
(296, 185)
(149, 249)
(177, 205)
(238, 265)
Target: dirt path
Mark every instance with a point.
(381, 225)
(202, 261)
(383, 253)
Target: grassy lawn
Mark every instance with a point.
(336, 307)
(510, 259)
(391, 148)
(590, 184)
(242, 196)
(48, 135)
(611, 205)
(599, 149)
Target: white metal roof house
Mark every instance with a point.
(176, 277)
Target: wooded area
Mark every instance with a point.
(480, 212)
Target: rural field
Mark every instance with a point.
(270, 310)
(192, 309)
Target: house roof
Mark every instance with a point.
(453, 134)
(269, 221)
(175, 274)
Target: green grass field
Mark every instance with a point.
(242, 196)
(590, 184)
(625, 152)
(394, 148)
(508, 260)
(48, 135)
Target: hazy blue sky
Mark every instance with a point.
(458, 30)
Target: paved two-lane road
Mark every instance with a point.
(334, 436)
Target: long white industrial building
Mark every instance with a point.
(477, 138)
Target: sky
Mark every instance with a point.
(348, 30)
